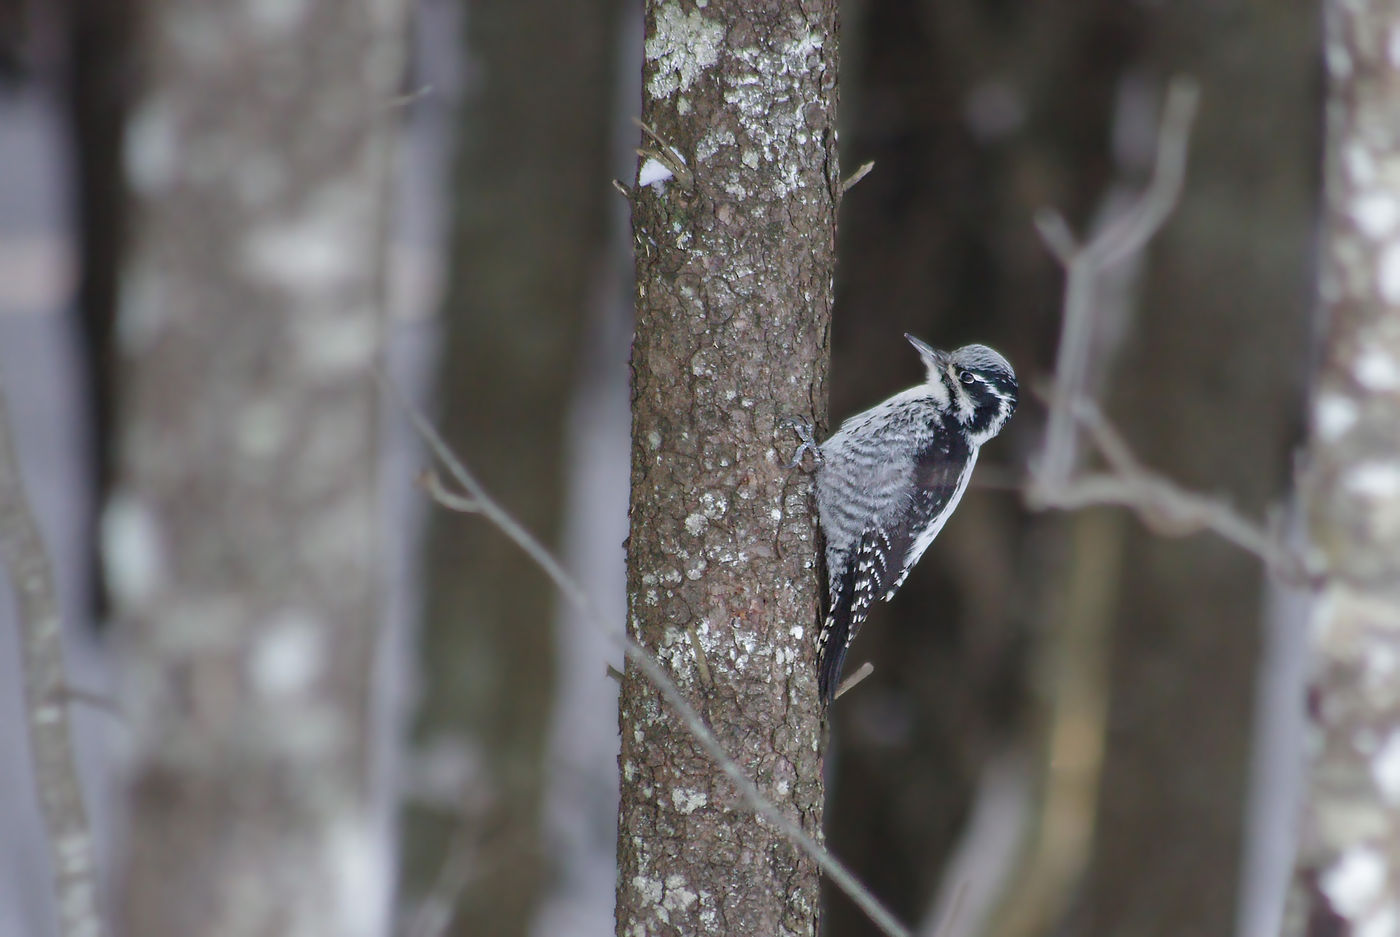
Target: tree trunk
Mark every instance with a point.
(530, 215)
(1348, 873)
(734, 273)
(241, 538)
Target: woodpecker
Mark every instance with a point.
(890, 477)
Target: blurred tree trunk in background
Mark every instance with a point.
(102, 79)
(977, 116)
(1348, 876)
(734, 277)
(1208, 391)
(528, 240)
(242, 536)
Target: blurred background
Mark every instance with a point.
(1074, 725)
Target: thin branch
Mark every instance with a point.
(1163, 506)
(1084, 264)
(654, 672)
(46, 691)
(431, 483)
(1167, 508)
(861, 172)
(849, 684)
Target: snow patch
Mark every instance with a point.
(653, 173)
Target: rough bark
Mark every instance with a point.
(530, 217)
(734, 297)
(241, 538)
(1348, 872)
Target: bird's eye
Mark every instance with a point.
(966, 377)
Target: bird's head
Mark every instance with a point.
(979, 384)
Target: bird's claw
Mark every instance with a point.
(808, 441)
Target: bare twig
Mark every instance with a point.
(848, 684)
(665, 154)
(431, 483)
(1163, 506)
(1084, 264)
(654, 672)
(46, 692)
(850, 181)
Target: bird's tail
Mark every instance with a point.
(834, 639)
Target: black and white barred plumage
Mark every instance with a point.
(888, 480)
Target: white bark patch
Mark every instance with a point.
(1376, 213)
(650, 889)
(714, 504)
(1388, 275)
(1376, 369)
(1380, 923)
(1359, 164)
(359, 864)
(1335, 416)
(151, 148)
(133, 550)
(678, 896)
(288, 656)
(276, 17)
(1356, 881)
(1378, 480)
(313, 252)
(696, 524)
(1385, 768)
(683, 46)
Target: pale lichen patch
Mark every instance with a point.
(683, 45)
(688, 801)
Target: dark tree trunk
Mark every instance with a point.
(1348, 875)
(242, 537)
(734, 300)
(528, 247)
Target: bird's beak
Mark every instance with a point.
(931, 355)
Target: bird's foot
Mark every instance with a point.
(808, 443)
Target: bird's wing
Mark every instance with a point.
(887, 549)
